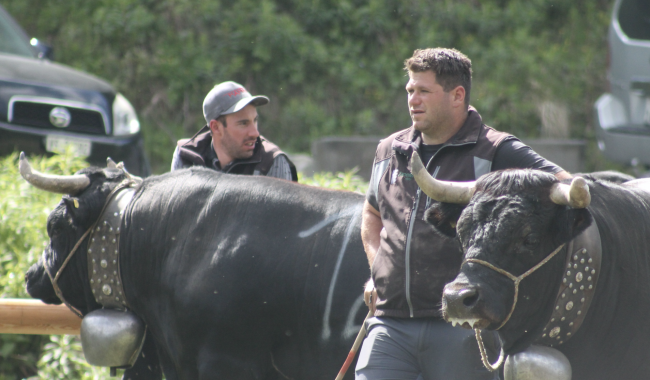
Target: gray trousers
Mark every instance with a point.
(423, 349)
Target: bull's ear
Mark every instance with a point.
(71, 202)
(575, 221)
(443, 217)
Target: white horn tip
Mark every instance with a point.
(580, 196)
(579, 181)
(24, 167)
(110, 163)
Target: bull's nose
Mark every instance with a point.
(460, 301)
(468, 296)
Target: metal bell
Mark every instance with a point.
(537, 363)
(112, 338)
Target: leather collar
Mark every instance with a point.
(581, 270)
(103, 253)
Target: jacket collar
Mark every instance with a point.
(410, 139)
(202, 142)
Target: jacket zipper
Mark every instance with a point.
(408, 252)
(410, 232)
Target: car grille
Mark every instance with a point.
(37, 115)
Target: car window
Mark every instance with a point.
(12, 38)
(634, 18)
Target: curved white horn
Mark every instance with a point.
(441, 191)
(575, 195)
(62, 184)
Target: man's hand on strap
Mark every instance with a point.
(370, 295)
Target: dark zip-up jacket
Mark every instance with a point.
(197, 150)
(413, 263)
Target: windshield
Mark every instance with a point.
(12, 39)
(634, 18)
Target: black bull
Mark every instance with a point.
(509, 221)
(236, 277)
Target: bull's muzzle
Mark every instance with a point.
(461, 306)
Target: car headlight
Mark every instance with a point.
(125, 120)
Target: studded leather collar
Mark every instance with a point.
(581, 270)
(103, 253)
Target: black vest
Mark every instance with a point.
(197, 150)
(411, 269)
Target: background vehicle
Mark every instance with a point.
(45, 107)
(623, 115)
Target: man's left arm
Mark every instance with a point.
(515, 154)
(280, 168)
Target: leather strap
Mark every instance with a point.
(103, 253)
(581, 270)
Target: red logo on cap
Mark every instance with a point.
(238, 91)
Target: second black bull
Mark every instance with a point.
(518, 225)
(236, 277)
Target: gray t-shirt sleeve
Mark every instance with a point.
(280, 168)
(176, 160)
(513, 153)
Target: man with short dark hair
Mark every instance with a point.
(410, 263)
(231, 142)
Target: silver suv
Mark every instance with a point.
(623, 114)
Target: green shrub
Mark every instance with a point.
(339, 181)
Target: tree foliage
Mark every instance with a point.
(330, 67)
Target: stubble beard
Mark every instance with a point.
(433, 125)
(234, 149)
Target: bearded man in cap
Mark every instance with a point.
(230, 141)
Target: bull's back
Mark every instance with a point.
(278, 262)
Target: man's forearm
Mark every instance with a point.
(371, 226)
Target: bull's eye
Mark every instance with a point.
(531, 241)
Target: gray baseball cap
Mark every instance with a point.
(229, 97)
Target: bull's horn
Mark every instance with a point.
(110, 163)
(575, 195)
(441, 191)
(68, 184)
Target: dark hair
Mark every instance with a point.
(222, 120)
(452, 68)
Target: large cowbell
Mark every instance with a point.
(112, 338)
(537, 363)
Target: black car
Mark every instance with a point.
(46, 106)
